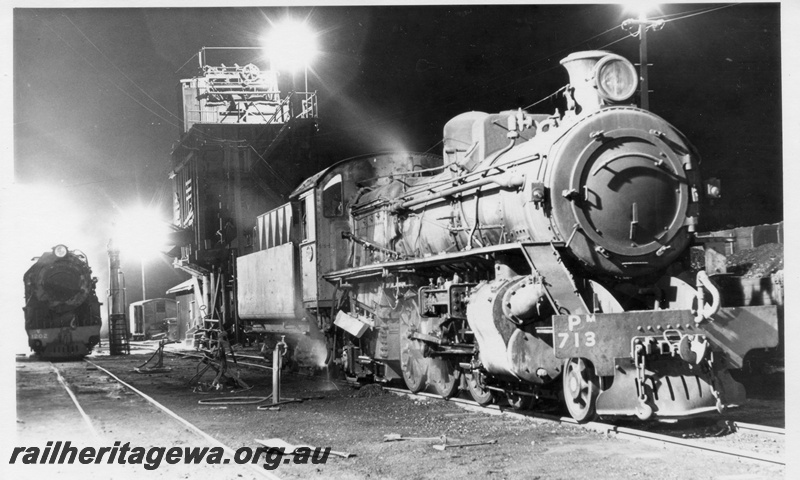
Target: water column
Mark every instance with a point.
(118, 335)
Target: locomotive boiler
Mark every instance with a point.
(544, 256)
(62, 312)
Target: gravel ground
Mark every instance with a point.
(761, 261)
(356, 420)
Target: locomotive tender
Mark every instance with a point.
(62, 312)
(544, 255)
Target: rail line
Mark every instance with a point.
(756, 429)
(228, 450)
(237, 363)
(622, 432)
(607, 428)
(74, 398)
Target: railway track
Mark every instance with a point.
(601, 427)
(621, 432)
(756, 429)
(229, 452)
(74, 398)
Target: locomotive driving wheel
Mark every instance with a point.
(444, 375)
(478, 390)
(412, 361)
(581, 387)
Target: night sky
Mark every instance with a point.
(95, 98)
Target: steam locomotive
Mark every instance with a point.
(62, 312)
(543, 255)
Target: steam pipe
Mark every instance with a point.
(506, 181)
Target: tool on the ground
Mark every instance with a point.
(285, 400)
(281, 402)
(232, 400)
(396, 437)
(289, 449)
(445, 445)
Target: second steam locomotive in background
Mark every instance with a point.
(62, 312)
(545, 254)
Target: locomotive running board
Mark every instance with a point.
(604, 337)
(380, 269)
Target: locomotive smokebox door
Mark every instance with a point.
(628, 194)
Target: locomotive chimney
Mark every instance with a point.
(580, 66)
(599, 78)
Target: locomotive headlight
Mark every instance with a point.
(60, 251)
(615, 78)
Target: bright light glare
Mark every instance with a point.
(37, 218)
(141, 233)
(43, 217)
(641, 8)
(290, 45)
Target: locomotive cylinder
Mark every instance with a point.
(507, 351)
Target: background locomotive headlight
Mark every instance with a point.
(615, 78)
(60, 251)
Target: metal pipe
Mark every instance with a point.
(277, 361)
(115, 304)
(505, 180)
(237, 322)
(645, 98)
(144, 288)
(117, 320)
(207, 286)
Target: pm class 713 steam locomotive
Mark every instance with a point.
(62, 312)
(545, 255)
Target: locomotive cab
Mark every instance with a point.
(281, 286)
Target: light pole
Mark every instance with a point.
(642, 24)
(144, 288)
(141, 234)
(305, 75)
(290, 45)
